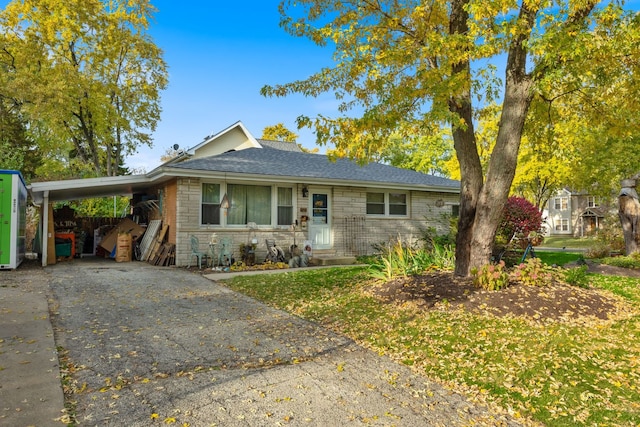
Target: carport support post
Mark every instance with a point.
(44, 215)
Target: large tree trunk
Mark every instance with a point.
(502, 168)
(481, 204)
(629, 213)
(464, 141)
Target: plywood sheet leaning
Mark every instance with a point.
(149, 238)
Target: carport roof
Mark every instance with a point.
(74, 189)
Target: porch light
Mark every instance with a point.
(224, 203)
(305, 191)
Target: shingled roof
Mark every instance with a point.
(279, 145)
(294, 164)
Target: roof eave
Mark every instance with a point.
(245, 177)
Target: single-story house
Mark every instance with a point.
(236, 186)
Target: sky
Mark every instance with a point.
(219, 55)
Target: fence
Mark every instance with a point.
(355, 235)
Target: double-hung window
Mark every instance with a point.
(285, 206)
(387, 204)
(561, 203)
(210, 204)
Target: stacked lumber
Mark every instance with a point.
(158, 252)
(165, 255)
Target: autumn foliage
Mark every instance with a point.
(519, 216)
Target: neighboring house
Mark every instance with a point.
(236, 186)
(574, 214)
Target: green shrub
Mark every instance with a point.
(399, 259)
(491, 277)
(430, 237)
(600, 250)
(610, 234)
(577, 276)
(443, 257)
(533, 272)
(630, 261)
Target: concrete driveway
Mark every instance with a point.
(155, 346)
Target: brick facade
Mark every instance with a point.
(352, 230)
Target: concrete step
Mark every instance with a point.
(332, 260)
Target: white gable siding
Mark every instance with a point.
(234, 139)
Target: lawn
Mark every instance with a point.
(568, 242)
(582, 373)
(558, 258)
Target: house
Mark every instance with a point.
(574, 214)
(235, 186)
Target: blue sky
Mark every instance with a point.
(219, 55)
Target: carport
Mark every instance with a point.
(45, 193)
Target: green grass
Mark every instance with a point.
(568, 242)
(560, 374)
(558, 258)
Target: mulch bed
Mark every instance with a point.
(552, 303)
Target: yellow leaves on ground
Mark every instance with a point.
(565, 372)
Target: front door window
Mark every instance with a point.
(320, 227)
(320, 208)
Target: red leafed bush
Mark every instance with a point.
(520, 217)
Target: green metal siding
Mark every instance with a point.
(6, 183)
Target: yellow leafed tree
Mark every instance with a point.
(85, 75)
(406, 67)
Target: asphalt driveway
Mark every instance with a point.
(153, 346)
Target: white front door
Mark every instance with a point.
(320, 221)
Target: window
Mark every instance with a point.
(264, 205)
(398, 204)
(285, 206)
(591, 202)
(249, 203)
(455, 211)
(375, 203)
(390, 204)
(561, 203)
(211, 204)
(562, 225)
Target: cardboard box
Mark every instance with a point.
(125, 226)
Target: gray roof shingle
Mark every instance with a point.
(273, 162)
(279, 145)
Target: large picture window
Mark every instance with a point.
(249, 203)
(387, 204)
(264, 205)
(211, 204)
